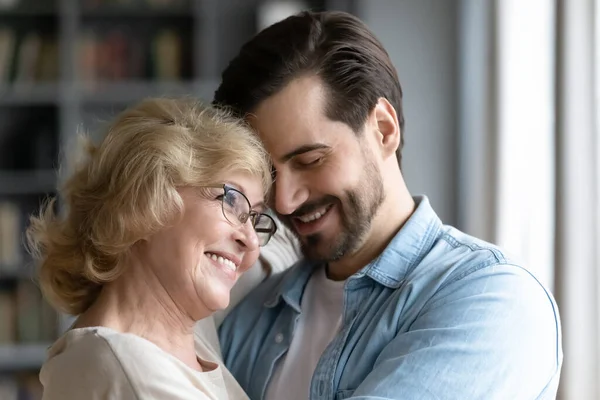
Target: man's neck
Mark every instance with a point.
(391, 216)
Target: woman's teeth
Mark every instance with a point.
(223, 261)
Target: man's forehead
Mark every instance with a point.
(303, 98)
(294, 119)
(285, 137)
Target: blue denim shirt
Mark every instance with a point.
(438, 315)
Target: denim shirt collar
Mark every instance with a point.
(408, 247)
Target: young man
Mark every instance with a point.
(388, 303)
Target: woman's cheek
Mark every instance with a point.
(250, 258)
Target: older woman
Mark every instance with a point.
(160, 221)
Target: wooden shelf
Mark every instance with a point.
(19, 357)
(21, 271)
(135, 12)
(30, 94)
(28, 12)
(27, 182)
(127, 92)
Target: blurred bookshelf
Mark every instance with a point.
(68, 66)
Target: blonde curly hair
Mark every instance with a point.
(126, 190)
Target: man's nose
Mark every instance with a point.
(290, 192)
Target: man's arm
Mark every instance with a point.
(494, 334)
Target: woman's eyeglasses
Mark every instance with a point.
(237, 210)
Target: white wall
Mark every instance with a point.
(421, 38)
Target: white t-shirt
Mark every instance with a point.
(99, 363)
(319, 322)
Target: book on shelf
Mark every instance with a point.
(11, 256)
(29, 52)
(28, 58)
(27, 317)
(24, 386)
(166, 55)
(47, 68)
(7, 50)
(120, 55)
(8, 315)
(49, 322)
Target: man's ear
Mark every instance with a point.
(387, 127)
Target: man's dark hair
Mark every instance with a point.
(336, 46)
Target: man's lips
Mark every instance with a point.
(313, 215)
(312, 223)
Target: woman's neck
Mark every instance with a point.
(137, 303)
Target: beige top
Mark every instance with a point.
(99, 364)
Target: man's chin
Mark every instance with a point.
(321, 249)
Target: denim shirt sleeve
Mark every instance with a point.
(490, 334)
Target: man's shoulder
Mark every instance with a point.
(460, 266)
(462, 254)
(479, 249)
(462, 263)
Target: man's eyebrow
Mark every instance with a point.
(303, 149)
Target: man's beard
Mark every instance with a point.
(356, 214)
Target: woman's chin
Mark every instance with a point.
(216, 301)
